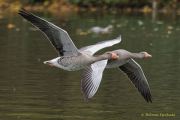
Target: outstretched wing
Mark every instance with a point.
(136, 75)
(98, 46)
(92, 78)
(57, 36)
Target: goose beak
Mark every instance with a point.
(147, 55)
(48, 63)
(114, 56)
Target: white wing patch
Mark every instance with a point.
(98, 46)
(92, 78)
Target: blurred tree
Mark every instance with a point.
(154, 9)
(173, 4)
(37, 1)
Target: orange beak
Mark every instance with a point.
(147, 55)
(114, 56)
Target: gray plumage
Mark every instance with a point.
(73, 59)
(91, 78)
(133, 70)
(128, 66)
(57, 36)
(135, 73)
(70, 57)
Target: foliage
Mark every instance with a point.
(136, 3)
(107, 2)
(93, 3)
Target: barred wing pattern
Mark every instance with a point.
(92, 78)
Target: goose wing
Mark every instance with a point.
(58, 37)
(100, 45)
(92, 78)
(136, 75)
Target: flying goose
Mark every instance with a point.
(70, 58)
(125, 62)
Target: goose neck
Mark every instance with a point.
(102, 57)
(137, 55)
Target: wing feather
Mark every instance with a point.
(136, 75)
(58, 37)
(91, 80)
(98, 46)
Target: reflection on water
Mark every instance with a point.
(31, 90)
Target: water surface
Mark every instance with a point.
(30, 90)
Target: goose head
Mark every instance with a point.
(107, 29)
(113, 55)
(146, 55)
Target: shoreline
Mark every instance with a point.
(66, 8)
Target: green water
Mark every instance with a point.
(30, 90)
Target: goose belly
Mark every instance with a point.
(71, 67)
(72, 63)
(115, 63)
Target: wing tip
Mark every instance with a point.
(119, 38)
(86, 98)
(22, 10)
(24, 13)
(148, 97)
(149, 100)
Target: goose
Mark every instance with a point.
(70, 58)
(92, 74)
(101, 30)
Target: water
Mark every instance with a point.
(30, 90)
